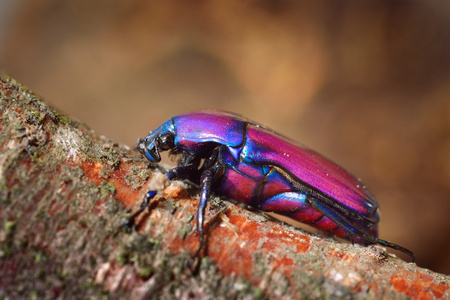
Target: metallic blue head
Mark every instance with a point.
(161, 139)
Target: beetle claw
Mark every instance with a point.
(129, 225)
(192, 265)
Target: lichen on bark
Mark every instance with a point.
(65, 192)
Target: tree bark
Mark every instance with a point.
(65, 193)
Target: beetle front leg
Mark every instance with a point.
(190, 165)
(185, 170)
(131, 222)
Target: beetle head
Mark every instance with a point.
(161, 139)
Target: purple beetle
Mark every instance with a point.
(252, 164)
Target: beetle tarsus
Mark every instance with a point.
(398, 248)
(130, 224)
(192, 264)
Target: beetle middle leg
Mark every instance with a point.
(204, 197)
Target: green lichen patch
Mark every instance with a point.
(185, 229)
(106, 188)
(105, 172)
(137, 177)
(34, 117)
(107, 153)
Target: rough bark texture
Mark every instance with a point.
(64, 193)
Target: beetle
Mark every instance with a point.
(248, 162)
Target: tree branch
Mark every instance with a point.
(65, 192)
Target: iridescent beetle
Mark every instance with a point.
(252, 164)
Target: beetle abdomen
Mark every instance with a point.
(270, 189)
(309, 168)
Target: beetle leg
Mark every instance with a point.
(206, 178)
(289, 202)
(130, 223)
(345, 224)
(397, 247)
(355, 231)
(185, 170)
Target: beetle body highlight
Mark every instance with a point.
(252, 164)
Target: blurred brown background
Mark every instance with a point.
(367, 83)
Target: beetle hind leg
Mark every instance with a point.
(354, 230)
(397, 247)
(312, 211)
